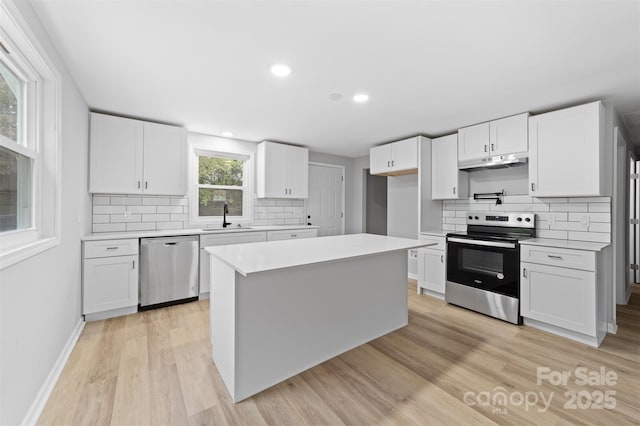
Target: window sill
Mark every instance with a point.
(13, 255)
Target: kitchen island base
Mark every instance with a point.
(269, 326)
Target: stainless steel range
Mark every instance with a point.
(483, 264)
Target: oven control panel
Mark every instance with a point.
(519, 220)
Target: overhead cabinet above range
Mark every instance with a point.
(282, 171)
(498, 142)
(396, 158)
(130, 156)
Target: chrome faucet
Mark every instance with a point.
(224, 216)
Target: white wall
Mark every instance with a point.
(402, 210)
(40, 297)
(355, 182)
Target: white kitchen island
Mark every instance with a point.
(279, 308)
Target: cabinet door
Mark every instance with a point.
(473, 142)
(564, 154)
(559, 296)
(447, 182)
(431, 264)
(509, 135)
(297, 172)
(380, 159)
(165, 149)
(404, 154)
(271, 173)
(109, 283)
(115, 155)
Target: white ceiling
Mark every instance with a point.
(429, 67)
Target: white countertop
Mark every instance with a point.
(190, 231)
(259, 257)
(568, 244)
(435, 232)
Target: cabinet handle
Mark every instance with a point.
(388, 163)
(533, 186)
(134, 265)
(442, 258)
(146, 184)
(294, 235)
(138, 184)
(551, 256)
(493, 147)
(485, 148)
(454, 190)
(112, 248)
(392, 163)
(524, 272)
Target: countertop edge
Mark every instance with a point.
(188, 231)
(568, 244)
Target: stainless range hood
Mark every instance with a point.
(495, 162)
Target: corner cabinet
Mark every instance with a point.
(109, 278)
(128, 156)
(447, 182)
(397, 158)
(567, 152)
(282, 171)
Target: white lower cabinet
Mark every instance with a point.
(221, 239)
(294, 234)
(110, 278)
(567, 301)
(432, 267)
(559, 296)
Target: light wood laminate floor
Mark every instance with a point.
(154, 368)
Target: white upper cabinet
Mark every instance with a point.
(135, 157)
(396, 158)
(282, 171)
(509, 135)
(164, 159)
(566, 152)
(473, 142)
(498, 137)
(447, 182)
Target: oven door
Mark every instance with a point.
(484, 264)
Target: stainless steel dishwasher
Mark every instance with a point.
(168, 270)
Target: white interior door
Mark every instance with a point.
(325, 205)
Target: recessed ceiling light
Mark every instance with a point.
(281, 70)
(227, 134)
(361, 98)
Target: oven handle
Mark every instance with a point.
(481, 243)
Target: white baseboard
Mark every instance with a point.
(413, 276)
(31, 418)
(612, 328)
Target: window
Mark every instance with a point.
(29, 149)
(221, 177)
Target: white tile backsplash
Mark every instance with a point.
(122, 213)
(569, 215)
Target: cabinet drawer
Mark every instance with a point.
(232, 238)
(440, 241)
(568, 258)
(109, 248)
(291, 234)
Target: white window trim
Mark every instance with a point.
(16, 246)
(248, 179)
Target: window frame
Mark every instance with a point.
(40, 131)
(247, 188)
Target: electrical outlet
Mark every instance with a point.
(552, 220)
(584, 221)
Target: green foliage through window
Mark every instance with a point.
(215, 176)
